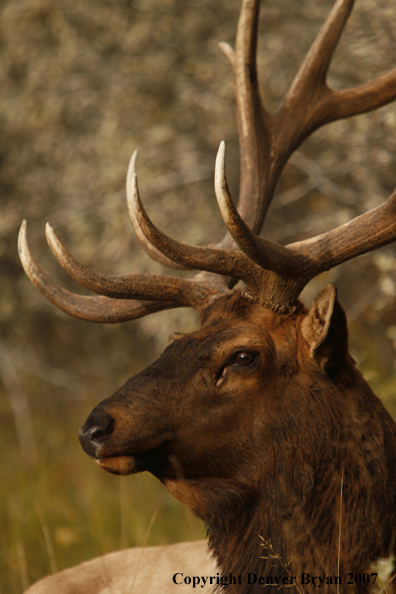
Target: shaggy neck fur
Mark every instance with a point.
(292, 524)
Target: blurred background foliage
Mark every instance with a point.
(82, 85)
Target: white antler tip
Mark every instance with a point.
(51, 236)
(131, 169)
(220, 161)
(24, 251)
(220, 164)
(228, 52)
(221, 188)
(133, 158)
(22, 236)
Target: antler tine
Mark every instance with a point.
(370, 231)
(311, 77)
(313, 70)
(218, 261)
(128, 286)
(310, 103)
(366, 97)
(265, 253)
(228, 52)
(146, 245)
(94, 309)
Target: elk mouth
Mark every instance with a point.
(148, 453)
(121, 449)
(152, 459)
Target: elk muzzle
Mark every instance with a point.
(123, 445)
(95, 432)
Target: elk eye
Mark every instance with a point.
(244, 359)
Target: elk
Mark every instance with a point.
(259, 421)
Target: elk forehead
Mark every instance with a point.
(231, 322)
(202, 352)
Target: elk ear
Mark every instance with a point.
(325, 330)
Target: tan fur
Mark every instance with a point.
(139, 570)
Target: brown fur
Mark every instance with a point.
(265, 450)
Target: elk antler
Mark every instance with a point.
(267, 140)
(146, 245)
(134, 289)
(288, 269)
(273, 275)
(266, 143)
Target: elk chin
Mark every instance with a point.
(121, 465)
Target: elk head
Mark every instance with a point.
(207, 411)
(208, 418)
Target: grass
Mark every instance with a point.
(63, 509)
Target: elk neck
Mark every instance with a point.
(312, 476)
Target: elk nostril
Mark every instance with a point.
(97, 432)
(96, 429)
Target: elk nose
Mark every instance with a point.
(95, 431)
